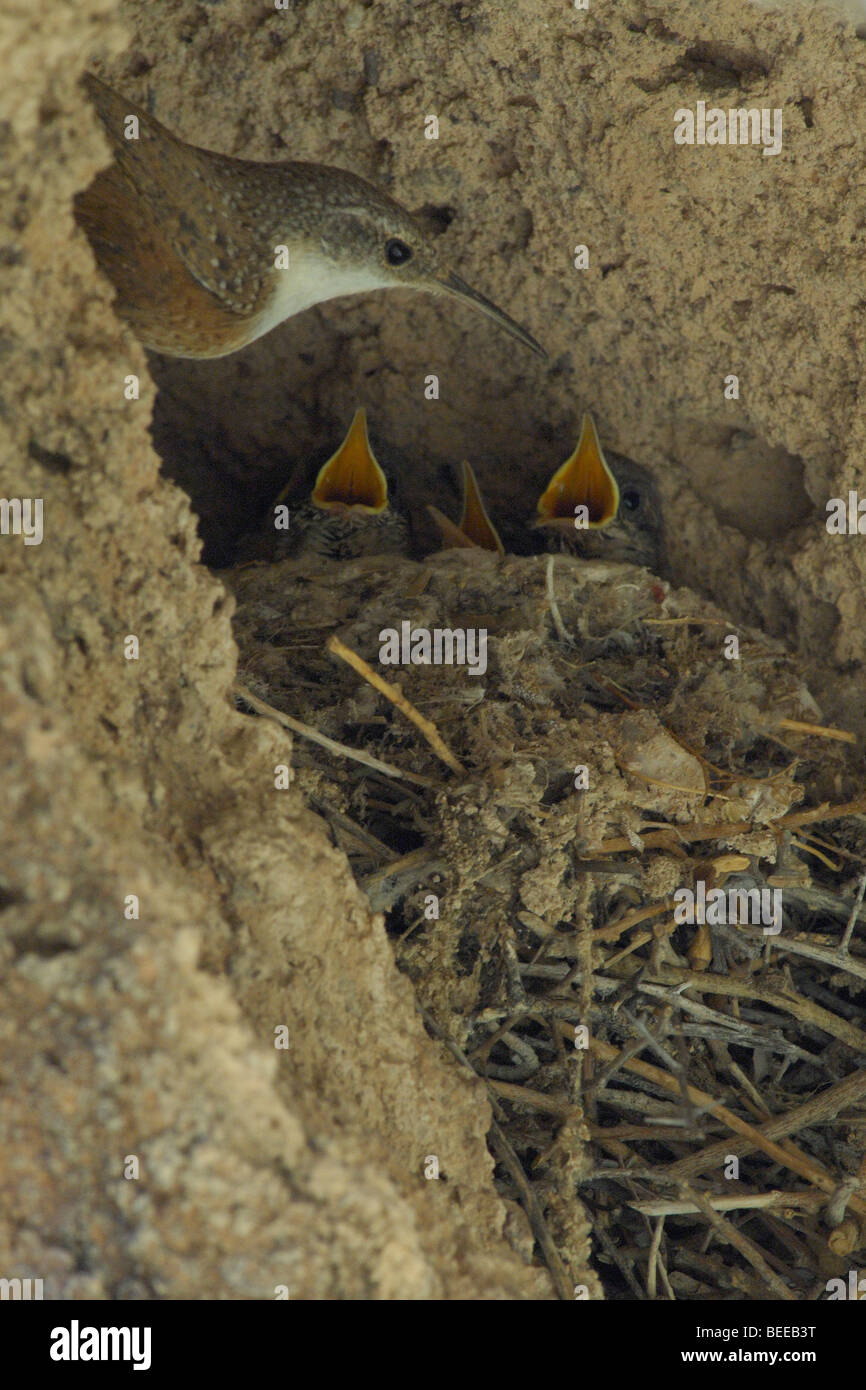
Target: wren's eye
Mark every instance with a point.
(630, 498)
(397, 252)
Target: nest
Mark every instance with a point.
(695, 1091)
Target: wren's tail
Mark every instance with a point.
(140, 236)
(116, 220)
(150, 156)
(111, 108)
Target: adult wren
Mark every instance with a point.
(600, 509)
(207, 252)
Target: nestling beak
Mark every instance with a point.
(452, 537)
(583, 493)
(474, 521)
(351, 480)
(474, 530)
(452, 284)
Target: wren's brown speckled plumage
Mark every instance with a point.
(207, 252)
(602, 507)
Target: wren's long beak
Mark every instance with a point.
(474, 530)
(351, 480)
(452, 284)
(583, 493)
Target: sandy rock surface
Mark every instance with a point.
(145, 1029)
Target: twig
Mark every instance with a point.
(685, 621)
(631, 919)
(796, 726)
(816, 853)
(655, 1244)
(749, 1201)
(659, 1130)
(535, 1099)
(790, 1157)
(396, 696)
(861, 891)
(270, 712)
(818, 1110)
(732, 1236)
(661, 839)
(834, 1213)
(415, 859)
(825, 955)
(795, 1004)
(659, 782)
(561, 630)
(617, 1257)
(351, 827)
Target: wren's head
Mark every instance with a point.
(347, 237)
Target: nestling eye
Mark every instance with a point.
(630, 499)
(397, 252)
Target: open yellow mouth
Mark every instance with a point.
(583, 481)
(351, 480)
